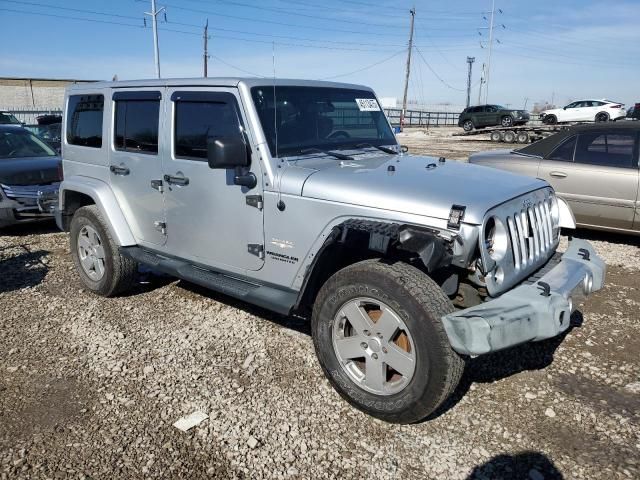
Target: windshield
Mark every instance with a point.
(320, 117)
(8, 119)
(20, 143)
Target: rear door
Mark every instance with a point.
(210, 219)
(491, 116)
(135, 162)
(600, 181)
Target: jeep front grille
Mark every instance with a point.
(517, 238)
(532, 234)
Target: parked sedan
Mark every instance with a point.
(585, 111)
(483, 116)
(593, 167)
(30, 173)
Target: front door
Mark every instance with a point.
(601, 181)
(135, 162)
(210, 219)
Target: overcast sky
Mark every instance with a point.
(547, 49)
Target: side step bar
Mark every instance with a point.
(271, 298)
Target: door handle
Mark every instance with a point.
(119, 170)
(174, 180)
(558, 174)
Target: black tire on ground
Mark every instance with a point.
(602, 117)
(509, 136)
(420, 303)
(467, 125)
(507, 121)
(496, 136)
(522, 137)
(550, 120)
(119, 271)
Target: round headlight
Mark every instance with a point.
(496, 239)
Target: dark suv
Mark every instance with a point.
(491, 116)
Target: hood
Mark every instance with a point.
(29, 170)
(414, 184)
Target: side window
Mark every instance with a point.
(564, 153)
(136, 128)
(607, 149)
(84, 120)
(197, 120)
(491, 109)
(573, 105)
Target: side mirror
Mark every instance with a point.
(564, 108)
(227, 152)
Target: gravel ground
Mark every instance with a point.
(90, 387)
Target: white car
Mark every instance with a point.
(585, 111)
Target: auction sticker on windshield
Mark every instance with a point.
(368, 104)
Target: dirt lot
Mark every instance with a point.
(90, 387)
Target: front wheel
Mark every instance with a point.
(550, 120)
(101, 267)
(507, 121)
(379, 337)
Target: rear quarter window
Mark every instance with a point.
(84, 120)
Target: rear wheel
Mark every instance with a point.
(509, 136)
(101, 267)
(496, 136)
(467, 126)
(602, 117)
(507, 121)
(379, 337)
(522, 137)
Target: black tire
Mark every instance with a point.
(509, 136)
(507, 121)
(420, 303)
(522, 137)
(602, 117)
(550, 120)
(467, 125)
(119, 271)
(496, 136)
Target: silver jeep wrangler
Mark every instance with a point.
(295, 196)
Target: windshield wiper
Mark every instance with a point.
(379, 147)
(339, 156)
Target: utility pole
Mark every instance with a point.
(406, 77)
(470, 61)
(481, 83)
(154, 21)
(206, 51)
(493, 11)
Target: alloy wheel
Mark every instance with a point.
(374, 346)
(91, 253)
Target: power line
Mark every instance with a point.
(77, 10)
(365, 68)
(285, 11)
(436, 74)
(236, 67)
(67, 17)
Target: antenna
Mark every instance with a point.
(280, 205)
(275, 102)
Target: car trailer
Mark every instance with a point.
(516, 134)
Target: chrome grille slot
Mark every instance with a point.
(515, 244)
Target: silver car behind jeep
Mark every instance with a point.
(295, 196)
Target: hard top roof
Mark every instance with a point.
(213, 82)
(545, 146)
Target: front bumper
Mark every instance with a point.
(529, 312)
(28, 204)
